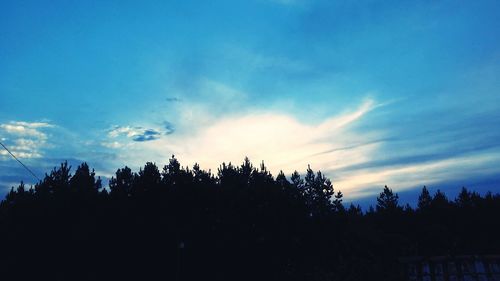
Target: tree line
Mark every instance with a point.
(241, 223)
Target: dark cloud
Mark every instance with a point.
(173, 99)
(147, 135)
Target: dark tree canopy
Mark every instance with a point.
(241, 223)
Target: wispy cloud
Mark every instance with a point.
(362, 182)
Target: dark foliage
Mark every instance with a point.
(240, 224)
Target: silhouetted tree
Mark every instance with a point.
(121, 185)
(354, 210)
(240, 220)
(318, 192)
(84, 181)
(387, 200)
(297, 181)
(148, 179)
(468, 199)
(425, 199)
(282, 181)
(440, 200)
(56, 182)
(337, 202)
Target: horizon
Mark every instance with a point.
(398, 94)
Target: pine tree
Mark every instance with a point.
(387, 200)
(297, 181)
(354, 210)
(425, 199)
(121, 186)
(464, 198)
(337, 202)
(84, 180)
(440, 200)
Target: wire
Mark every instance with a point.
(28, 169)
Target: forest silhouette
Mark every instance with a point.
(241, 223)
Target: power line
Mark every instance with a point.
(28, 169)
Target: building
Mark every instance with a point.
(451, 268)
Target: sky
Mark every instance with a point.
(372, 93)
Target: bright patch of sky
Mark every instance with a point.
(403, 93)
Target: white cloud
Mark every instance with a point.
(334, 146)
(281, 140)
(24, 139)
(18, 128)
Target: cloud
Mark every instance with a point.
(173, 99)
(283, 141)
(147, 135)
(25, 129)
(137, 134)
(367, 182)
(24, 139)
(357, 150)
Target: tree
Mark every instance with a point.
(354, 210)
(282, 181)
(84, 180)
(297, 181)
(387, 200)
(318, 192)
(440, 200)
(263, 226)
(261, 177)
(56, 182)
(228, 175)
(467, 199)
(150, 177)
(121, 186)
(337, 202)
(425, 199)
(202, 177)
(171, 172)
(246, 170)
(15, 195)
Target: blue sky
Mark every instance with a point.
(403, 93)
